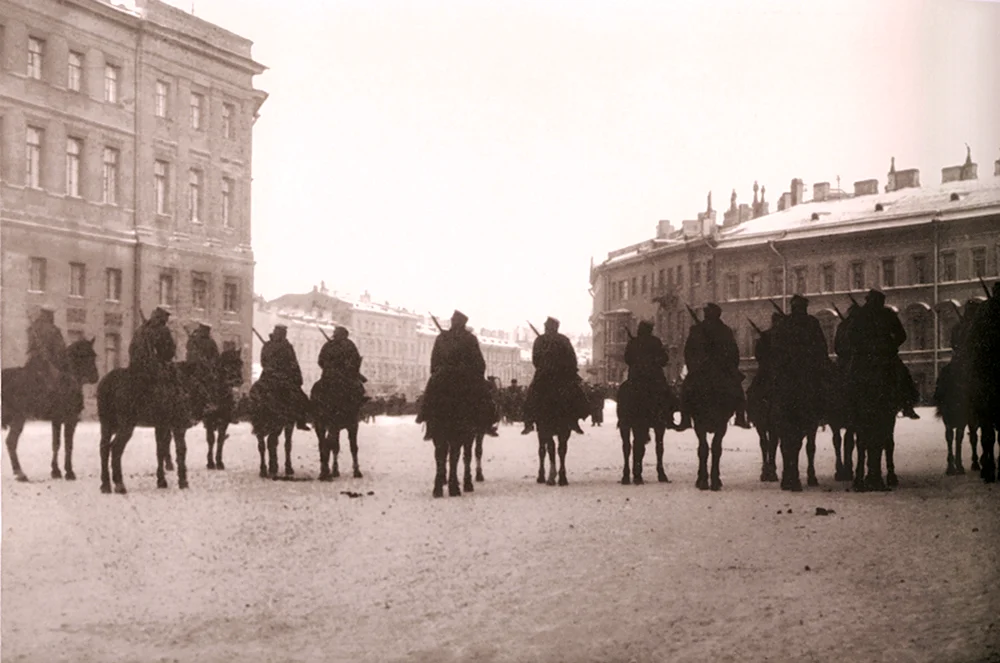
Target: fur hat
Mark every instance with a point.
(875, 297)
(645, 328)
(799, 301)
(340, 332)
(551, 322)
(712, 310)
(458, 320)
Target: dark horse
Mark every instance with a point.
(711, 408)
(759, 402)
(230, 371)
(951, 401)
(22, 400)
(452, 427)
(638, 411)
(872, 388)
(553, 421)
(795, 413)
(497, 400)
(837, 417)
(984, 385)
(121, 407)
(269, 417)
(336, 405)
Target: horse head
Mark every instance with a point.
(83, 360)
(231, 368)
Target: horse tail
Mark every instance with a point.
(107, 389)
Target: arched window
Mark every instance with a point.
(948, 320)
(919, 323)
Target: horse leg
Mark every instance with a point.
(352, 440)
(626, 434)
(773, 441)
(765, 461)
(811, 458)
(441, 460)
(949, 437)
(168, 461)
(262, 450)
(210, 440)
(334, 442)
(117, 451)
(454, 451)
(874, 446)
(16, 426)
(221, 434)
(791, 447)
(716, 478)
(563, 448)
(541, 459)
(959, 434)
(973, 437)
(550, 448)
(479, 457)
(105, 448)
(837, 444)
(988, 471)
(639, 454)
(661, 474)
(180, 441)
(890, 463)
(272, 454)
(56, 435)
(324, 452)
(288, 452)
(162, 436)
(68, 446)
(701, 483)
(854, 454)
(467, 452)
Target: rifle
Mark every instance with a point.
(958, 311)
(985, 289)
(142, 316)
(436, 323)
(839, 314)
(853, 300)
(777, 308)
(258, 335)
(322, 332)
(755, 327)
(533, 328)
(693, 314)
(628, 331)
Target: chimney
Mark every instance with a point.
(785, 201)
(663, 229)
(866, 187)
(907, 179)
(798, 191)
(820, 191)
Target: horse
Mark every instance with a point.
(21, 400)
(554, 420)
(229, 368)
(951, 401)
(984, 385)
(122, 406)
(638, 411)
(269, 418)
(759, 414)
(336, 405)
(837, 417)
(872, 388)
(452, 427)
(711, 406)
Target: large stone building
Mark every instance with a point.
(924, 246)
(125, 153)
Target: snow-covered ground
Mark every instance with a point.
(243, 569)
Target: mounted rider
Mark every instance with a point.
(712, 359)
(876, 334)
(151, 354)
(759, 391)
(646, 358)
(456, 362)
(202, 350)
(798, 354)
(47, 358)
(555, 368)
(960, 333)
(339, 359)
(281, 374)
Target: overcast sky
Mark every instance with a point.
(476, 155)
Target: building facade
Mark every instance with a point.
(925, 247)
(125, 160)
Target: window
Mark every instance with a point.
(800, 280)
(194, 196)
(227, 120)
(109, 177)
(644, 285)
(161, 171)
(921, 324)
(113, 284)
(199, 290)
(36, 281)
(77, 279)
(112, 351)
(162, 92)
(920, 269)
(74, 77)
(978, 262)
(888, 272)
(166, 289)
(696, 274)
(949, 266)
(755, 285)
(111, 76)
(74, 147)
(196, 101)
(36, 47)
(732, 286)
(33, 158)
(661, 278)
(231, 297)
(680, 276)
(857, 276)
(777, 281)
(827, 279)
(709, 270)
(633, 289)
(621, 291)
(227, 202)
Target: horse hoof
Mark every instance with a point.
(763, 476)
(56, 474)
(638, 481)
(289, 471)
(892, 480)
(959, 469)
(325, 476)
(975, 466)
(551, 481)
(662, 477)
(70, 476)
(358, 475)
(701, 483)
(454, 491)
(479, 476)
(106, 488)
(812, 481)
(161, 483)
(626, 480)
(795, 486)
(263, 473)
(220, 466)
(716, 485)
(182, 484)
(563, 481)
(541, 478)
(210, 465)
(468, 487)
(120, 488)
(438, 491)
(336, 473)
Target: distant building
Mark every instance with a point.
(925, 247)
(126, 143)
